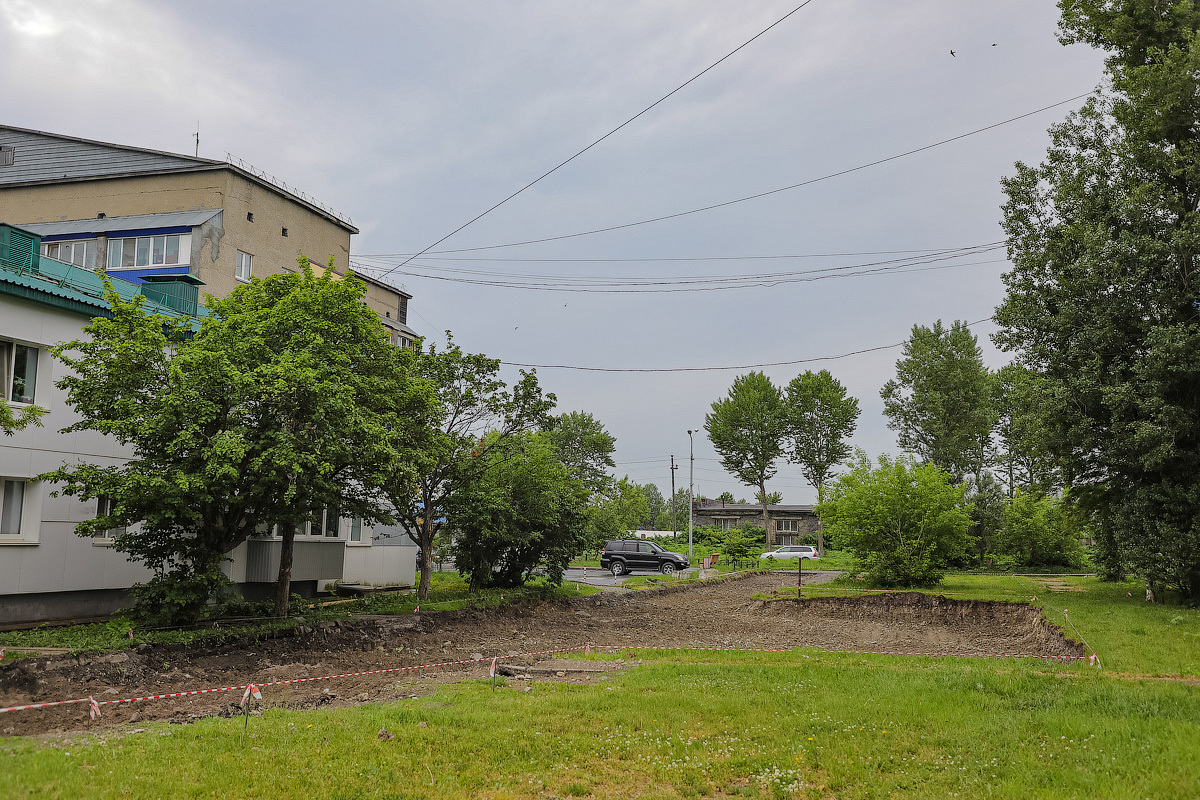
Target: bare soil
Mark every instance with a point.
(717, 614)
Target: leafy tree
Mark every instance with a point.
(1025, 457)
(523, 513)
(612, 513)
(771, 498)
(988, 503)
(11, 422)
(940, 402)
(1040, 531)
(1102, 299)
(656, 504)
(820, 418)
(903, 521)
(676, 518)
(725, 497)
(585, 447)
(288, 399)
(747, 429)
(738, 546)
(475, 412)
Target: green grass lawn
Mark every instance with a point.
(804, 723)
(771, 725)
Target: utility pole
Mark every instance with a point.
(691, 487)
(197, 138)
(674, 524)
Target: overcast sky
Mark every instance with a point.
(412, 118)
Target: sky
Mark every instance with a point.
(415, 117)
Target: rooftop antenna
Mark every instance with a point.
(196, 136)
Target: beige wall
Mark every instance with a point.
(308, 232)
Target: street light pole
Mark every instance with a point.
(691, 487)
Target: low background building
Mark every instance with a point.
(786, 524)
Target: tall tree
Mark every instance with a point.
(655, 505)
(820, 418)
(585, 447)
(1024, 455)
(289, 399)
(747, 429)
(1104, 237)
(475, 412)
(940, 402)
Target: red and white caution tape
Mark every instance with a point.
(93, 708)
(251, 691)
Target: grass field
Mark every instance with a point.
(805, 723)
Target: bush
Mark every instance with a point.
(176, 597)
(903, 521)
(1039, 531)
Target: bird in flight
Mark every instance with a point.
(952, 54)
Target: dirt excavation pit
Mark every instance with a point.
(718, 614)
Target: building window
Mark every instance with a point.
(332, 518)
(147, 251)
(242, 269)
(285, 231)
(249, 216)
(786, 526)
(12, 502)
(18, 371)
(80, 253)
(356, 529)
(402, 310)
(105, 506)
(727, 524)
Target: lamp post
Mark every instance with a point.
(691, 489)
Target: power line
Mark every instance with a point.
(808, 182)
(605, 136)
(432, 256)
(745, 284)
(716, 369)
(511, 277)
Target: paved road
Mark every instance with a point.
(593, 575)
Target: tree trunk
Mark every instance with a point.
(820, 533)
(283, 584)
(762, 488)
(426, 543)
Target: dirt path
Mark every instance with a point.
(718, 614)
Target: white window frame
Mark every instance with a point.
(31, 510)
(364, 533)
(787, 526)
(8, 357)
(246, 260)
(116, 248)
(106, 538)
(80, 252)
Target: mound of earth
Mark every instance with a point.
(716, 614)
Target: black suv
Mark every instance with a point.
(625, 555)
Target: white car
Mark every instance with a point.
(792, 551)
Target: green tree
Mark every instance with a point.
(1102, 299)
(674, 516)
(288, 399)
(747, 429)
(1025, 458)
(656, 504)
(1040, 531)
(585, 447)
(613, 512)
(820, 418)
(726, 497)
(903, 521)
(940, 402)
(474, 412)
(523, 513)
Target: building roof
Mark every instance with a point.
(170, 219)
(717, 505)
(48, 158)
